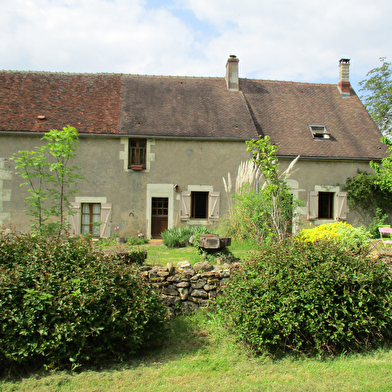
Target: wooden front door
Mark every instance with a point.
(159, 216)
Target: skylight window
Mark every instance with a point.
(319, 132)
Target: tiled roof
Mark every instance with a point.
(284, 111)
(89, 102)
(186, 107)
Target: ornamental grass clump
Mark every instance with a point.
(355, 239)
(64, 305)
(309, 297)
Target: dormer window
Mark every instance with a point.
(319, 132)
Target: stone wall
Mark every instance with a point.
(184, 287)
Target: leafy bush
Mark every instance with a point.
(378, 221)
(63, 303)
(107, 241)
(351, 238)
(366, 196)
(130, 256)
(178, 237)
(309, 297)
(136, 241)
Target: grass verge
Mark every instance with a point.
(200, 355)
(161, 255)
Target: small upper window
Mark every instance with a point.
(319, 132)
(137, 154)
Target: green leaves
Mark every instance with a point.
(378, 98)
(264, 155)
(267, 212)
(60, 299)
(50, 177)
(309, 297)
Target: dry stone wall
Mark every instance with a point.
(184, 287)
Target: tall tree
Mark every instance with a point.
(378, 95)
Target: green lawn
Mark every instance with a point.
(200, 356)
(161, 255)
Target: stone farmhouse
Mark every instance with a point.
(154, 149)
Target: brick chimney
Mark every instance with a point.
(232, 80)
(344, 77)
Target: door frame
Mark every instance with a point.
(159, 190)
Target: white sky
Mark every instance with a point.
(298, 40)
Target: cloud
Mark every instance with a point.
(285, 40)
(298, 40)
(88, 35)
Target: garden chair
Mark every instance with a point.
(385, 230)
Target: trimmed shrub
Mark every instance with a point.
(176, 238)
(309, 297)
(355, 239)
(64, 304)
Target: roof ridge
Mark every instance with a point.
(111, 74)
(60, 72)
(160, 76)
(290, 82)
(174, 76)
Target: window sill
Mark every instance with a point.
(137, 167)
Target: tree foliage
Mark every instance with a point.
(262, 207)
(272, 206)
(51, 179)
(378, 95)
(383, 170)
(365, 195)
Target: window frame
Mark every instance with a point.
(326, 205)
(213, 206)
(338, 208)
(93, 229)
(319, 132)
(135, 161)
(196, 207)
(75, 216)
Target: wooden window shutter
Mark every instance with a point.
(106, 209)
(74, 219)
(313, 205)
(213, 205)
(185, 205)
(341, 206)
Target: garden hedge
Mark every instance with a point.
(63, 303)
(309, 297)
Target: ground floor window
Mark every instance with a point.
(199, 205)
(91, 218)
(325, 205)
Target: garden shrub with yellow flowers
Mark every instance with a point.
(351, 238)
